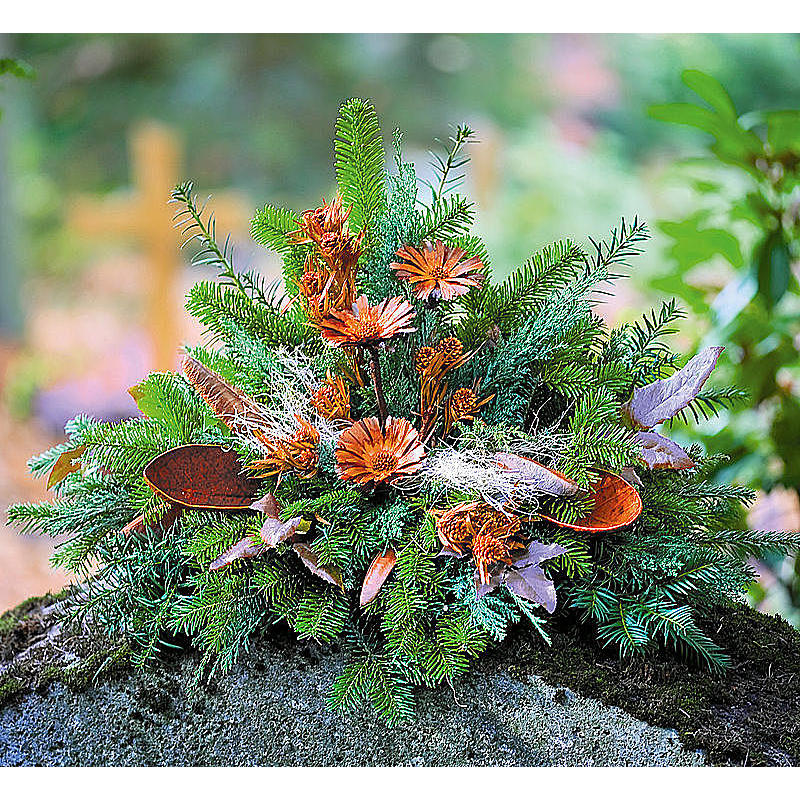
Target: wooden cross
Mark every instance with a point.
(143, 214)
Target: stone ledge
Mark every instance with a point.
(524, 704)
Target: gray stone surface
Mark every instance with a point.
(271, 710)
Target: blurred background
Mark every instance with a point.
(575, 132)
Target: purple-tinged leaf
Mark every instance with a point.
(629, 474)
(268, 505)
(243, 549)
(537, 552)
(273, 531)
(532, 584)
(525, 578)
(659, 452)
(450, 553)
(497, 575)
(330, 574)
(663, 399)
(537, 476)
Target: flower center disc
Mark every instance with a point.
(383, 463)
(368, 329)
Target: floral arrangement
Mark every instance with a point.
(400, 453)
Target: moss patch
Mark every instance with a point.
(750, 715)
(37, 650)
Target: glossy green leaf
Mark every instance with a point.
(711, 90)
(774, 269)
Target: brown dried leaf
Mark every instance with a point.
(228, 403)
(537, 476)
(330, 574)
(243, 549)
(68, 462)
(663, 399)
(376, 576)
(659, 452)
(165, 521)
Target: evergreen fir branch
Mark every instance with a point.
(445, 218)
(623, 246)
(449, 165)
(710, 401)
(196, 226)
(272, 227)
(360, 164)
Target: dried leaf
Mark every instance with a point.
(525, 577)
(629, 474)
(663, 399)
(616, 504)
(243, 549)
(659, 452)
(165, 521)
(201, 476)
(450, 553)
(532, 584)
(537, 476)
(268, 504)
(273, 531)
(67, 463)
(376, 576)
(538, 552)
(330, 574)
(232, 406)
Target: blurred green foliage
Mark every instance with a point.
(750, 225)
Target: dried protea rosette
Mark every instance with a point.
(400, 452)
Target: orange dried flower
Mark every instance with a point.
(368, 325)
(489, 549)
(423, 358)
(454, 526)
(437, 270)
(462, 407)
(332, 399)
(489, 534)
(312, 282)
(366, 453)
(297, 454)
(451, 350)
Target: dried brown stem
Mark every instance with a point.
(378, 385)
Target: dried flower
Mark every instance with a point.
(366, 453)
(462, 407)
(452, 350)
(297, 454)
(423, 358)
(489, 534)
(368, 325)
(312, 282)
(488, 550)
(332, 399)
(436, 270)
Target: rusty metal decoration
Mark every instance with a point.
(201, 476)
(616, 504)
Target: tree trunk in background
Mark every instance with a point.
(10, 311)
